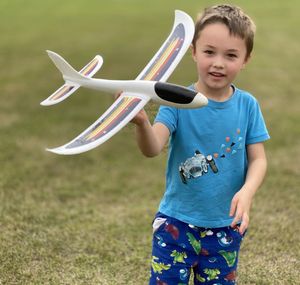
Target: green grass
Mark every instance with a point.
(86, 219)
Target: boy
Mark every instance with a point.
(216, 159)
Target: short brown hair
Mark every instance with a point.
(238, 23)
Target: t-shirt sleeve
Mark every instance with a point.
(167, 116)
(257, 130)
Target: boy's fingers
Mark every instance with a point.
(242, 228)
(237, 219)
(233, 207)
(117, 95)
(244, 224)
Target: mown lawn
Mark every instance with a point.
(86, 219)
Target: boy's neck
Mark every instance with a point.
(218, 95)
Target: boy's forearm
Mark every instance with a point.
(148, 139)
(256, 170)
(255, 175)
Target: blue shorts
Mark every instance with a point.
(178, 248)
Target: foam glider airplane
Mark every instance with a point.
(149, 85)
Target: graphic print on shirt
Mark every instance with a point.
(199, 164)
(196, 166)
(230, 146)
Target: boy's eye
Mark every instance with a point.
(208, 51)
(232, 55)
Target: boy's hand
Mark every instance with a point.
(241, 202)
(240, 208)
(140, 118)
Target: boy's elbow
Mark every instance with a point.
(151, 149)
(150, 154)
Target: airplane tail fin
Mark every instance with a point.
(72, 78)
(68, 72)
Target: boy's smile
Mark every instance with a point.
(219, 57)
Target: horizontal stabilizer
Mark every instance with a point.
(67, 70)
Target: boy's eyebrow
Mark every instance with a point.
(232, 49)
(209, 46)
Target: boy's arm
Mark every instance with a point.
(151, 139)
(241, 202)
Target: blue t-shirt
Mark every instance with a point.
(207, 161)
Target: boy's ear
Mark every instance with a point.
(193, 52)
(247, 59)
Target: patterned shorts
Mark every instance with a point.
(178, 248)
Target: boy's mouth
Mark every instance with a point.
(217, 74)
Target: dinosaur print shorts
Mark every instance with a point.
(179, 248)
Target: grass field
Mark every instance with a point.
(86, 219)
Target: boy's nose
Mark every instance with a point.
(218, 63)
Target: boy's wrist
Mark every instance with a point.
(249, 191)
(143, 123)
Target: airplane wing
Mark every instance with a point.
(128, 105)
(114, 119)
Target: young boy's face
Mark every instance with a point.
(219, 57)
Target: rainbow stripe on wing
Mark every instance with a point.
(166, 56)
(90, 67)
(121, 110)
(61, 92)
